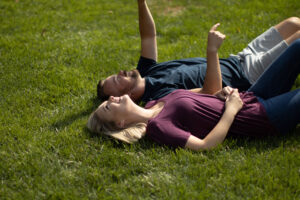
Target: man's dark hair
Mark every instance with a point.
(100, 91)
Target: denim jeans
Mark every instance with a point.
(273, 89)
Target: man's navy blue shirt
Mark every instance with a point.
(163, 78)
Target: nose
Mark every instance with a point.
(111, 98)
(114, 99)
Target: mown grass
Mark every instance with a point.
(51, 55)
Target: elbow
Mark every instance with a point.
(202, 147)
(205, 146)
(208, 145)
(211, 91)
(147, 36)
(196, 144)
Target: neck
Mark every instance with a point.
(140, 114)
(138, 91)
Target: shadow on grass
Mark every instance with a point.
(69, 119)
(268, 143)
(143, 143)
(234, 143)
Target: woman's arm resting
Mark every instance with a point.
(218, 133)
(215, 137)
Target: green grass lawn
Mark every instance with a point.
(52, 54)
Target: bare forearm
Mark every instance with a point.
(219, 132)
(233, 105)
(146, 22)
(215, 136)
(213, 78)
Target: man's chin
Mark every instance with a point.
(135, 74)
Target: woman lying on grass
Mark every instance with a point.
(198, 119)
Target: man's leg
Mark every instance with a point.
(288, 27)
(272, 89)
(281, 75)
(264, 49)
(293, 37)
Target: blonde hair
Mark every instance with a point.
(129, 135)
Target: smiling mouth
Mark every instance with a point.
(117, 99)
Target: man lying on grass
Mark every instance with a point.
(152, 80)
(201, 118)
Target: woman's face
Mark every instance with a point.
(115, 109)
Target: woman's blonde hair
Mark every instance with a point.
(129, 135)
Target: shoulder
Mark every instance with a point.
(156, 125)
(166, 133)
(144, 64)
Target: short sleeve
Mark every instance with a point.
(166, 133)
(144, 64)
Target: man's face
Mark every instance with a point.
(120, 84)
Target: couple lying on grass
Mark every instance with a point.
(201, 118)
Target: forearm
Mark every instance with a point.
(213, 78)
(233, 105)
(219, 132)
(215, 136)
(146, 22)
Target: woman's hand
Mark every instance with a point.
(224, 93)
(233, 102)
(215, 39)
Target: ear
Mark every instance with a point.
(121, 124)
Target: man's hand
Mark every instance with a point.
(215, 39)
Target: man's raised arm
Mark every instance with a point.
(147, 31)
(213, 77)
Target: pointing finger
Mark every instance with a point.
(214, 27)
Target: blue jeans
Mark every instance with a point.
(273, 89)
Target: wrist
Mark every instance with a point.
(231, 111)
(212, 50)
